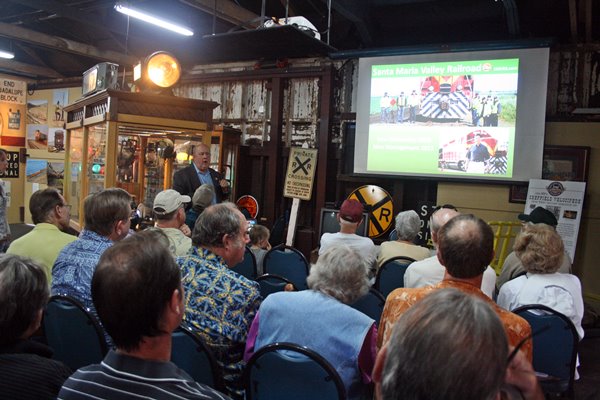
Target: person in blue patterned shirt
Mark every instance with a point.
(220, 304)
(106, 221)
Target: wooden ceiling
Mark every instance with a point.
(59, 39)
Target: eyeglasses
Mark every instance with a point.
(67, 206)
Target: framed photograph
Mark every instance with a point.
(566, 163)
(517, 194)
(560, 163)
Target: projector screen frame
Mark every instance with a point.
(529, 132)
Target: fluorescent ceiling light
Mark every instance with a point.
(153, 20)
(6, 54)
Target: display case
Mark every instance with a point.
(133, 141)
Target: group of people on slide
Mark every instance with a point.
(143, 285)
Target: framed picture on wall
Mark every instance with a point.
(566, 163)
(559, 163)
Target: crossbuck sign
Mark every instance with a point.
(300, 173)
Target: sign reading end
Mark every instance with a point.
(300, 173)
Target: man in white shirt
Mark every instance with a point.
(350, 217)
(430, 272)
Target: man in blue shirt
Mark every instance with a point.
(187, 180)
(106, 221)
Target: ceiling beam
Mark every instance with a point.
(62, 10)
(573, 19)
(19, 68)
(355, 12)
(64, 45)
(228, 11)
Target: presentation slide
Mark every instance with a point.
(460, 118)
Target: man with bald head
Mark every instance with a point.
(465, 249)
(430, 271)
(187, 180)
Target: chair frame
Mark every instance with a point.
(377, 284)
(573, 359)
(284, 247)
(279, 277)
(249, 252)
(323, 363)
(374, 293)
(92, 320)
(218, 383)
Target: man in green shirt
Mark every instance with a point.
(50, 214)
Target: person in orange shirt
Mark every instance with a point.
(465, 249)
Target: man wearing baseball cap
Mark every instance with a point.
(169, 212)
(350, 217)
(512, 266)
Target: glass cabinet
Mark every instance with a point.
(134, 141)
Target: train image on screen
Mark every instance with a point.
(446, 98)
(453, 154)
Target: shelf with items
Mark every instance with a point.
(131, 141)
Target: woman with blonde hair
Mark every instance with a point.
(541, 250)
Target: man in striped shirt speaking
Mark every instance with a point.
(137, 291)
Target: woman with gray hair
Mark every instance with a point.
(408, 225)
(26, 367)
(322, 320)
(541, 250)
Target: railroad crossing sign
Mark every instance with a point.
(382, 208)
(300, 173)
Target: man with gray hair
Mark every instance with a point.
(50, 214)
(465, 249)
(321, 318)
(107, 220)
(407, 228)
(430, 271)
(169, 212)
(451, 329)
(220, 303)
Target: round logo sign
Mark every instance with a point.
(381, 215)
(555, 189)
(249, 204)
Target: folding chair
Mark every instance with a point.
(554, 347)
(247, 267)
(292, 372)
(73, 333)
(289, 263)
(193, 356)
(390, 275)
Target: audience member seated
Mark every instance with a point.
(465, 249)
(220, 303)
(322, 320)
(259, 240)
(26, 368)
(408, 225)
(50, 214)
(202, 198)
(453, 330)
(540, 250)
(430, 271)
(512, 266)
(350, 217)
(169, 212)
(107, 220)
(137, 291)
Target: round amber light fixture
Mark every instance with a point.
(163, 69)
